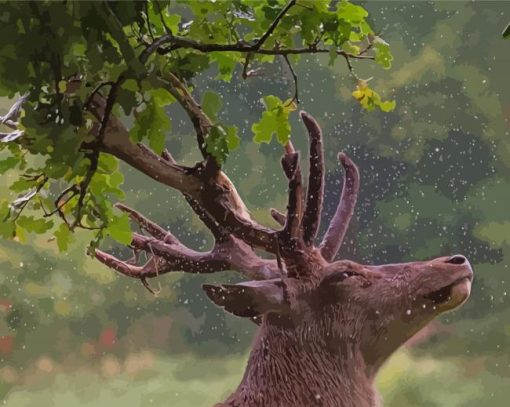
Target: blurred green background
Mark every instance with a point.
(435, 181)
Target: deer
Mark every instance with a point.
(325, 326)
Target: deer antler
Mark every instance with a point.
(207, 185)
(315, 193)
(168, 254)
(291, 232)
(215, 200)
(338, 227)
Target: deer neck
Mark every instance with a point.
(289, 368)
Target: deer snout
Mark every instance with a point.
(465, 267)
(457, 259)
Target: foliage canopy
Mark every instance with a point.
(60, 56)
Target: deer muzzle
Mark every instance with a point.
(454, 294)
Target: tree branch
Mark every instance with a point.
(201, 123)
(273, 25)
(178, 42)
(72, 191)
(220, 201)
(349, 66)
(211, 189)
(117, 143)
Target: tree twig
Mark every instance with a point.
(246, 74)
(273, 25)
(295, 78)
(167, 29)
(349, 66)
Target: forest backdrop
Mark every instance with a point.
(435, 180)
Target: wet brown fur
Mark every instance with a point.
(327, 348)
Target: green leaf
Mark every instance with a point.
(172, 21)
(216, 144)
(221, 141)
(64, 237)
(382, 53)
(152, 123)
(31, 224)
(274, 121)
(211, 104)
(119, 229)
(351, 12)
(107, 163)
(350, 48)
(7, 228)
(8, 164)
(232, 138)
(127, 99)
(226, 62)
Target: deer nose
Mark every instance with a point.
(457, 259)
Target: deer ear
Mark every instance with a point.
(251, 298)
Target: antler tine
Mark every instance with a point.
(219, 233)
(340, 222)
(290, 164)
(279, 217)
(289, 148)
(151, 227)
(315, 193)
(122, 267)
(232, 254)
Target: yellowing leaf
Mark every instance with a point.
(388, 105)
(369, 99)
(62, 86)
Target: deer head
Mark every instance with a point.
(328, 325)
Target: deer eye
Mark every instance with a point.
(338, 277)
(344, 275)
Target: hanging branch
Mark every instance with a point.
(295, 78)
